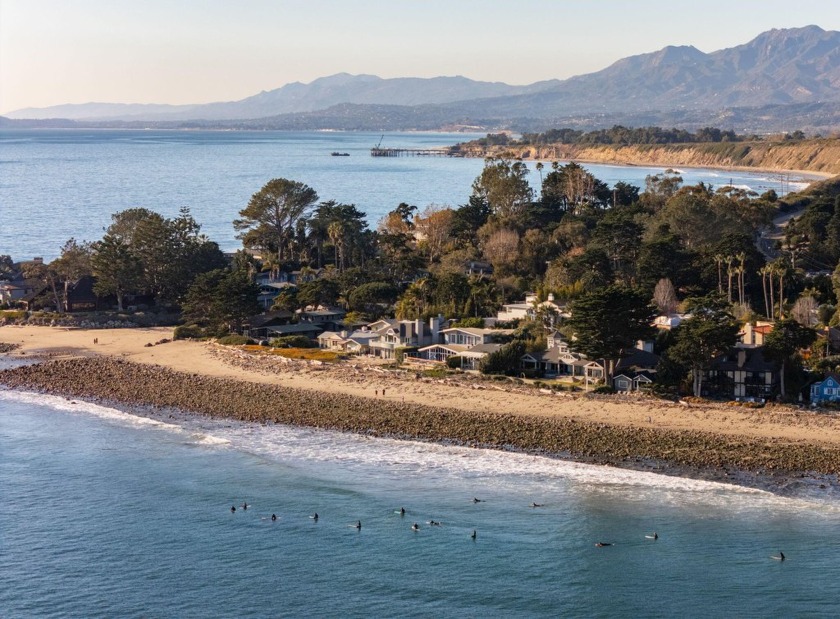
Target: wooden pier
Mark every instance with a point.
(410, 152)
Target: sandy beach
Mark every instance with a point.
(776, 423)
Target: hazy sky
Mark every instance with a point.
(197, 51)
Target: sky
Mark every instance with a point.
(198, 51)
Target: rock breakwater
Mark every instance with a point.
(685, 452)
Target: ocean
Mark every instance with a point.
(107, 513)
(57, 184)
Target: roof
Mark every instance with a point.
(455, 348)
(261, 320)
(327, 312)
(482, 349)
(754, 361)
(326, 335)
(831, 375)
(477, 331)
(293, 329)
(638, 359)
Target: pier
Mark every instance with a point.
(410, 152)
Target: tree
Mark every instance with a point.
(170, 252)
(804, 311)
(610, 321)
(502, 249)
(711, 331)
(506, 359)
(435, 227)
(784, 341)
(116, 269)
(73, 264)
(219, 301)
(7, 265)
(369, 298)
(269, 220)
(503, 184)
(665, 297)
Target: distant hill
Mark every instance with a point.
(292, 98)
(797, 68)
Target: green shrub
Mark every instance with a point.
(234, 340)
(603, 389)
(13, 314)
(454, 362)
(399, 353)
(294, 341)
(185, 332)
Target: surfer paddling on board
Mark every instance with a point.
(603, 544)
(779, 557)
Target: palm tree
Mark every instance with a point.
(740, 270)
(729, 274)
(336, 231)
(719, 261)
(765, 272)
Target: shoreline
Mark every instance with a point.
(774, 466)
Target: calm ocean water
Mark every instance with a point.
(107, 514)
(57, 184)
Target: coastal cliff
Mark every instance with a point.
(816, 156)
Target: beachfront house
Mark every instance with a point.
(826, 390)
(301, 328)
(743, 372)
(257, 326)
(471, 344)
(387, 335)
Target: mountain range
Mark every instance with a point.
(797, 67)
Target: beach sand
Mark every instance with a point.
(781, 425)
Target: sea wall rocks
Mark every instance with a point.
(135, 384)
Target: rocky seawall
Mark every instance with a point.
(818, 156)
(769, 464)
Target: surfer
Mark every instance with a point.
(244, 506)
(655, 536)
(781, 556)
(473, 534)
(315, 516)
(434, 523)
(415, 527)
(603, 544)
(273, 517)
(536, 505)
(358, 525)
(402, 511)
(232, 508)
(475, 500)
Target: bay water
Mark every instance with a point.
(57, 184)
(109, 513)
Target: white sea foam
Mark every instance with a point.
(357, 456)
(81, 406)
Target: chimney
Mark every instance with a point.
(434, 326)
